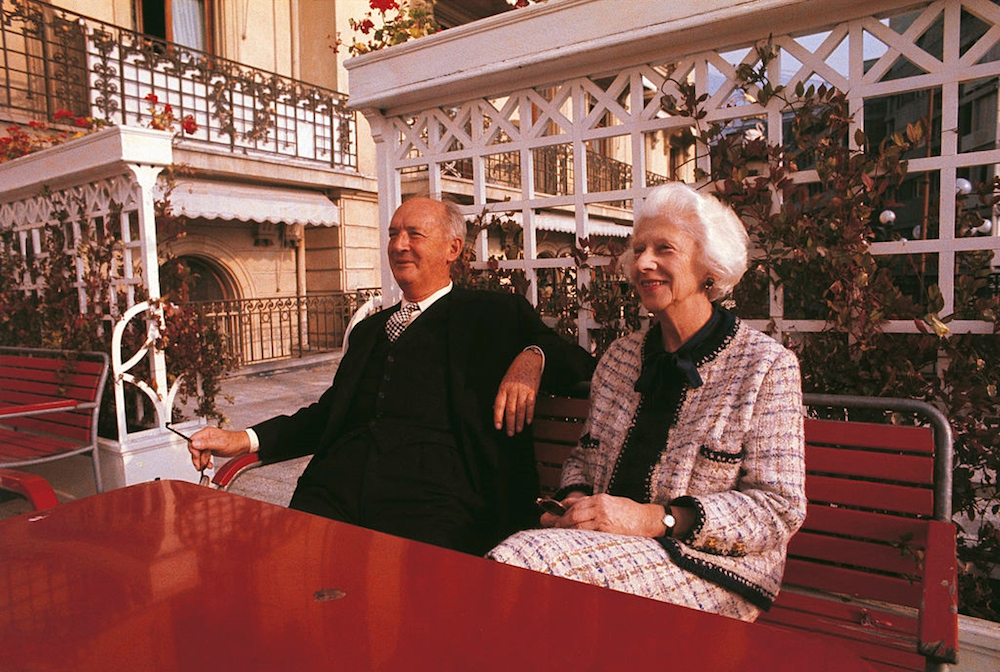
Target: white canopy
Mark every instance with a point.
(245, 202)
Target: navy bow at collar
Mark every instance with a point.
(659, 367)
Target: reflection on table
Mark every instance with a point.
(172, 576)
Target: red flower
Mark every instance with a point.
(151, 97)
(383, 5)
(189, 125)
(82, 122)
(167, 109)
(62, 114)
(521, 3)
(366, 26)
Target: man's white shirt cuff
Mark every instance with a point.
(254, 440)
(538, 350)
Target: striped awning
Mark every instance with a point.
(209, 199)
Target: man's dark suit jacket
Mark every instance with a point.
(486, 331)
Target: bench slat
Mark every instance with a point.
(552, 453)
(880, 631)
(887, 640)
(864, 524)
(809, 574)
(870, 495)
(562, 407)
(857, 552)
(557, 431)
(72, 426)
(864, 464)
(19, 446)
(839, 609)
(52, 371)
(549, 478)
(13, 390)
(49, 363)
(38, 406)
(870, 435)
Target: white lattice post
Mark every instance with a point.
(145, 176)
(389, 197)
(144, 455)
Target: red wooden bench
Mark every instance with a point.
(49, 405)
(874, 563)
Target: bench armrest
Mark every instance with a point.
(938, 636)
(44, 407)
(34, 488)
(228, 472)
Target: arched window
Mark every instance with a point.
(207, 281)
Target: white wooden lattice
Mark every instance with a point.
(100, 186)
(944, 51)
(113, 202)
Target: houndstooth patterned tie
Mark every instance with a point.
(399, 320)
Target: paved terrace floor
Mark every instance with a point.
(258, 392)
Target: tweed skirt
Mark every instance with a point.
(627, 564)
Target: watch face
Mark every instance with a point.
(669, 521)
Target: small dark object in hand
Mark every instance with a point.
(551, 506)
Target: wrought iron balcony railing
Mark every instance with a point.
(260, 330)
(53, 59)
(553, 168)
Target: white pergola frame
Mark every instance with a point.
(460, 95)
(108, 178)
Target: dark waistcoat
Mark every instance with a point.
(397, 468)
(403, 391)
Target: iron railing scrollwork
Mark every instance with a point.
(55, 59)
(261, 330)
(553, 171)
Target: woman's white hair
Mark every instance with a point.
(721, 237)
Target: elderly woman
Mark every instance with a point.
(689, 479)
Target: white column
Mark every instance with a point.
(389, 197)
(146, 176)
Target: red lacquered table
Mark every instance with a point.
(172, 576)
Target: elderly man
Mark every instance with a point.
(420, 434)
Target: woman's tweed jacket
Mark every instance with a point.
(735, 454)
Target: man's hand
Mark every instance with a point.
(515, 403)
(214, 441)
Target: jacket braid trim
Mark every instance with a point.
(752, 592)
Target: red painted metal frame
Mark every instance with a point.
(34, 488)
(227, 473)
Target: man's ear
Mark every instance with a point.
(455, 249)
